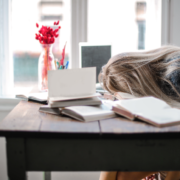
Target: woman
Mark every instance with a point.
(152, 73)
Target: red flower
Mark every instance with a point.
(46, 34)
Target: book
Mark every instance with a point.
(77, 87)
(35, 97)
(109, 96)
(67, 98)
(99, 89)
(149, 109)
(72, 83)
(75, 102)
(122, 95)
(118, 95)
(82, 113)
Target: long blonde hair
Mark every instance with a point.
(152, 73)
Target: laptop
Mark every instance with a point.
(94, 55)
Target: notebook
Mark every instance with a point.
(148, 109)
(122, 95)
(35, 97)
(82, 113)
(72, 83)
(75, 102)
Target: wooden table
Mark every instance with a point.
(42, 142)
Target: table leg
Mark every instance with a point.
(15, 148)
(47, 175)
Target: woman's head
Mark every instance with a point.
(155, 73)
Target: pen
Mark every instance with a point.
(57, 64)
(61, 67)
(63, 55)
(67, 63)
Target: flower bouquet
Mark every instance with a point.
(46, 37)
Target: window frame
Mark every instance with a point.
(6, 58)
(170, 22)
(78, 29)
(169, 35)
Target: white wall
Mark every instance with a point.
(170, 22)
(6, 105)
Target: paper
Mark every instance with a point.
(122, 95)
(163, 115)
(59, 98)
(72, 82)
(142, 105)
(151, 110)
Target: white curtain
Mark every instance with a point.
(6, 60)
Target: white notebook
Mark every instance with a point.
(149, 109)
(89, 113)
(76, 102)
(36, 97)
(82, 113)
(71, 83)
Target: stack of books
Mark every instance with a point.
(75, 95)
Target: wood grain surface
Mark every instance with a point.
(55, 123)
(121, 125)
(26, 117)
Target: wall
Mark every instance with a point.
(6, 105)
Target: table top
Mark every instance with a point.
(25, 118)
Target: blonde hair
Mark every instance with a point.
(152, 73)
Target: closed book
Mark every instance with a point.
(122, 95)
(75, 102)
(82, 113)
(35, 97)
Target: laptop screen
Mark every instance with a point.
(94, 56)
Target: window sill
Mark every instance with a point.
(8, 103)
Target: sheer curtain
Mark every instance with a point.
(6, 60)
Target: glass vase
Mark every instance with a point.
(46, 63)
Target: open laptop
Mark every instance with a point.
(94, 55)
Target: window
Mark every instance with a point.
(127, 25)
(141, 23)
(50, 10)
(141, 34)
(26, 50)
(107, 22)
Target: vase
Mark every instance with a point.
(46, 63)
